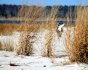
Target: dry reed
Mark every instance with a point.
(34, 13)
(25, 44)
(28, 26)
(0, 46)
(6, 46)
(47, 50)
(78, 48)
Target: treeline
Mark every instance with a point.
(9, 10)
(13, 11)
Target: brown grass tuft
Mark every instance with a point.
(7, 46)
(78, 51)
(47, 50)
(25, 44)
(0, 46)
(34, 13)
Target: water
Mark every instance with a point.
(10, 21)
(36, 22)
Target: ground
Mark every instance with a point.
(12, 61)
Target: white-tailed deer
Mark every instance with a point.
(60, 27)
(59, 30)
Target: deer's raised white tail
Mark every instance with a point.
(60, 27)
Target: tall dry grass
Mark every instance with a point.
(29, 26)
(0, 46)
(8, 29)
(7, 46)
(34, 13)
(25, 44)
(78, 48)
(31, 12)
(47, 50)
